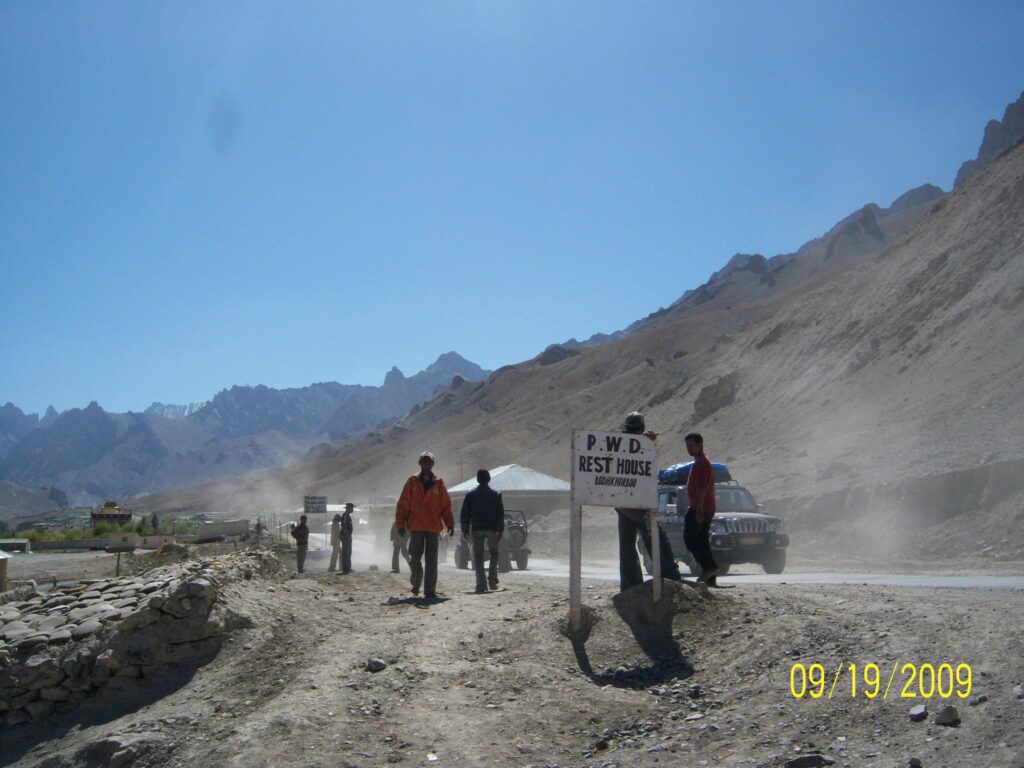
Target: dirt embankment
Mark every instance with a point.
(492, 680)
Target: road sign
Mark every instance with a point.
(614, 469)
(314, 505)
(610, 469)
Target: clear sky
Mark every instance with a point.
(197, 195)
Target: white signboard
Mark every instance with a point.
(614, 469)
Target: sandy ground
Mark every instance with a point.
(476, 680)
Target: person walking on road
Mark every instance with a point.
(424, 510)
(700, 495)
(482, 520)
(300, 533)
(399, 549)
(335, 543)
(346, 538)
(636, 521)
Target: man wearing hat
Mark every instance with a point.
(424, 510)
(483, 522)
(634, 521)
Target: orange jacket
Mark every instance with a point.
(419, 510)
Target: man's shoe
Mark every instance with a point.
(395, 570)
(415, 591)
(709, 577)
(494, 586)
(481, 590)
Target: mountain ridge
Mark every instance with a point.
(93, 454)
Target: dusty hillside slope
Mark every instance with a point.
(901, 365)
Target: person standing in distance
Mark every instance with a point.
(399, 549)
(300, 533)
(483, 522)
(700, 495)
(335, 543)
(424, 510)
(346, 538)
(635, 521)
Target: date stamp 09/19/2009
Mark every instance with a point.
(906, 681)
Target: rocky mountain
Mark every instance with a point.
(18, 504)
(14, 425)
(93, 454)
(174, 411)
(869, 388)
(1000, 135)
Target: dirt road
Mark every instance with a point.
(490, 680)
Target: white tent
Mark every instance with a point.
(521, 488)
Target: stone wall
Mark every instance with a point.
(61, 647)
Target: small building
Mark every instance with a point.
(4, 557)
(15, 545)
(522, 488)
(111, 512)
(153, 541)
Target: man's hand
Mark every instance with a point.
(400, 531)
(451, 531)
(699, 515)
(500, 534)
(465, 533)
(650, 433)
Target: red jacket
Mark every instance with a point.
(424, 510)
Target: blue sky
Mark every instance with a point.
(196, 195)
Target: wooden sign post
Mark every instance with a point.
(610, 469)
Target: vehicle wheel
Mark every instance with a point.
(461, 558)
(516, 537)
(504, 563)
(522, 560)
(775, 562)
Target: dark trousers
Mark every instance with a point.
(632, 522)
(300, 557)
(423, 545)
(399, 548)
(346, 554)
(697, 537)
(490, 539)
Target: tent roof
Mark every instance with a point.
(512, 477)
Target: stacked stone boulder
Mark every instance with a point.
(59, 648)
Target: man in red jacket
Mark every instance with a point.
(424, 510)
(700, 493)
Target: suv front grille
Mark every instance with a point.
(748, 526)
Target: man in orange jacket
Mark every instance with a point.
(424, 510)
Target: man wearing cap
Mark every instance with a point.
(300, 533)
(483, 522)
(424, 510)
(346, 538)
(634, 521)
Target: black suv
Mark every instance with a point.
(740, 532)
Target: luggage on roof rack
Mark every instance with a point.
(678, 474)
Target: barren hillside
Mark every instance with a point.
(901, 365)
